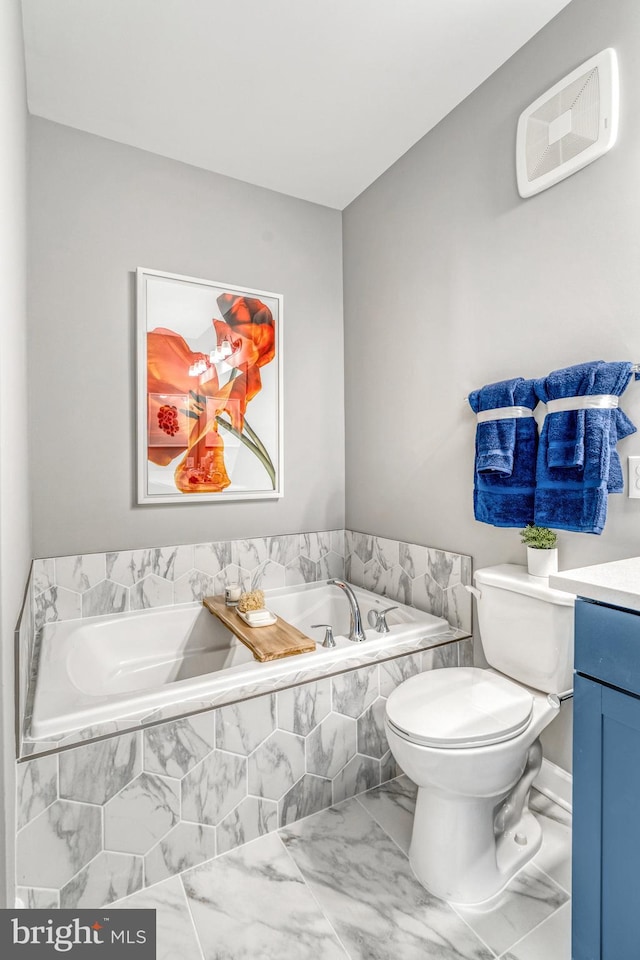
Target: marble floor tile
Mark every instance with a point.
(253, 903)
(530, 898)
(550, 941)
(392, 806)
(554, 856)
(370, 896)
(338, 885)
(175, 933)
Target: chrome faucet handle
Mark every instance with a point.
(378, 619)
(329, 640)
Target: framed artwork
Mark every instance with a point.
(209, 390)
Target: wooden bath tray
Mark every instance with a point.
(266, 643)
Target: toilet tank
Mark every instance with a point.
(526, 627)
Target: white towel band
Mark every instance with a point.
(503, 413)
(599, 401)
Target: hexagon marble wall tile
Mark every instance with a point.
(101, 820)
(432, 580)
(92, 585)
(65, 588)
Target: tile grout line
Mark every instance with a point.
(533, 929)
(312, 894)
(469, 927)
(549, 877)
(76, 874)
(189, 911)
(375, 820)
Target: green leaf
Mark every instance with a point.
(265, 460)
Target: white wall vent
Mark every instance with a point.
(569, 126)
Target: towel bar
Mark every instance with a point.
(634, 369)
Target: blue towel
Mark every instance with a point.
(504, 475)
(578, 464)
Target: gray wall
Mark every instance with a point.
(453, 281)
(15, 533)
(98, 210)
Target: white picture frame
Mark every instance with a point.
(209, 390)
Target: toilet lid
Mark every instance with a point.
(459, 707)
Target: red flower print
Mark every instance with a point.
(174, 369)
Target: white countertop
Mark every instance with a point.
(617, 582)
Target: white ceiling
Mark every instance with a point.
(314, 98)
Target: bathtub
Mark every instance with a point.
(148, 665)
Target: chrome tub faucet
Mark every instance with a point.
(356, 631)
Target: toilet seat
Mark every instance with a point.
(459, 707)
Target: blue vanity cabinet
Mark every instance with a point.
(606, 784)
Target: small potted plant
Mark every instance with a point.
(542, 553)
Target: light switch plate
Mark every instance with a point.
(634, 478)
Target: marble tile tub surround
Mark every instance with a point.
(91, 585)
(99, 584)
(100, 820)
(424, 577)
(23, 647)
(65, 588)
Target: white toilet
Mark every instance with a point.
(469, 738)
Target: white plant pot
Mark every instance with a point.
(542, 563)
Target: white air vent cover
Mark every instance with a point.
(569, 126)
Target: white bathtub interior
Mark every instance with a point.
(123, 666)
(146, 649)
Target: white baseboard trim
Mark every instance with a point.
(555, 783)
